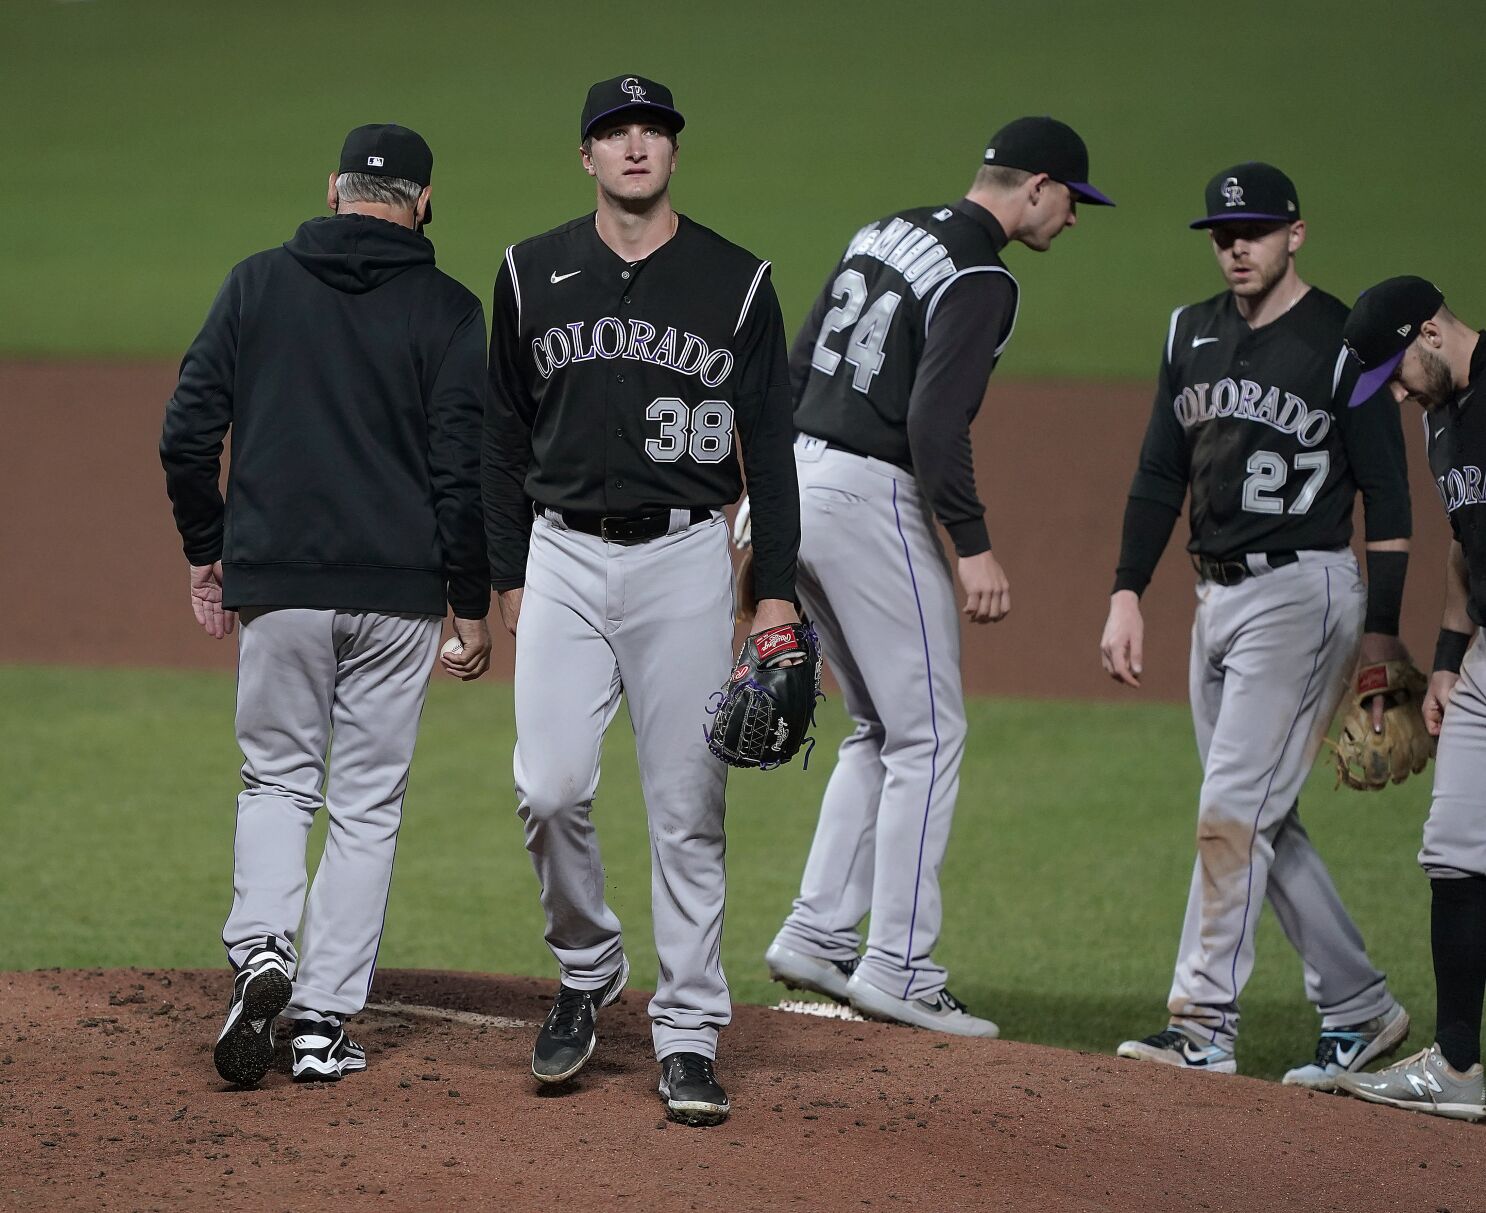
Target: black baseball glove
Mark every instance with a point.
(766, 705)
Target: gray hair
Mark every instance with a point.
(368, 187)
(1000, 177)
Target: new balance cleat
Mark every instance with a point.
(1350, 1050)
(1173, 1047)
(799, 971)
(1422, 1083)
(939, 1012)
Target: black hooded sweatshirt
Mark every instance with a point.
(352, 374)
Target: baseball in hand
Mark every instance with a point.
(452, 647)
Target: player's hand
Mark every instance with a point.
(1378, 647)
(987, 591)
(773, 613)
(206, 601)
(510, 607)
(1122, 647)
(1441, 683)
(472, 658)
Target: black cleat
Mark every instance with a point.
(567, 1038)
(323, 1052)
(261, 989)
(692, 1093)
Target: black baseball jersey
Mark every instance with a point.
(1456, 433)
(619, 387)
(1256, 422)
(894, 358)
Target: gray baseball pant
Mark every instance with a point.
(1455, 832)
(350, 683)
(653, 621)
(1271, 657)
(874, 579)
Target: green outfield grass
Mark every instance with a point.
(1064, 885)
(152, 143)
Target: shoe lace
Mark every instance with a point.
(693, 1067)
(1170, 1038)
(566, 1016)
(848, 967)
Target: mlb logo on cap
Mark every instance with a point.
(374, 162)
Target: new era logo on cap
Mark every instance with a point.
(374, 162)
(1403, 329)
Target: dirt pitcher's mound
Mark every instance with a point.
(108, 1100)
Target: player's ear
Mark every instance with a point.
(420, 209)
(1297, 235)
(332, 196)
(1034, 187)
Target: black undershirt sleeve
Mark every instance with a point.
(505, 453)
(196, 422)
(765, 422)
(970, 321)
(803, 349)
(1372, 435)
(1156, 492)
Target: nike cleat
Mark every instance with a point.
(1173, 1047)
(1350, 1050)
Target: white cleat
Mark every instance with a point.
(799, 971)
(940, 1012)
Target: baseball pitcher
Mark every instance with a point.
(635, 357)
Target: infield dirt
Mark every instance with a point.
(108, 1100)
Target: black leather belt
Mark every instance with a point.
(625, 528)
(1231, 572)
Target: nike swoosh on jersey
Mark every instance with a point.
(556, 277)
(1196, 341)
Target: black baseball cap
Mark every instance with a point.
(388, 150)
(1045, 145)
(626, 93)
(1383, 325)
(1254, 191)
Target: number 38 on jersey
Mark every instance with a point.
(705, 432)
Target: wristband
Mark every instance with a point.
(1385, 577)
(1449, 650)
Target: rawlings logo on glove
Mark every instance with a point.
(1368, 761)
(767, 703)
